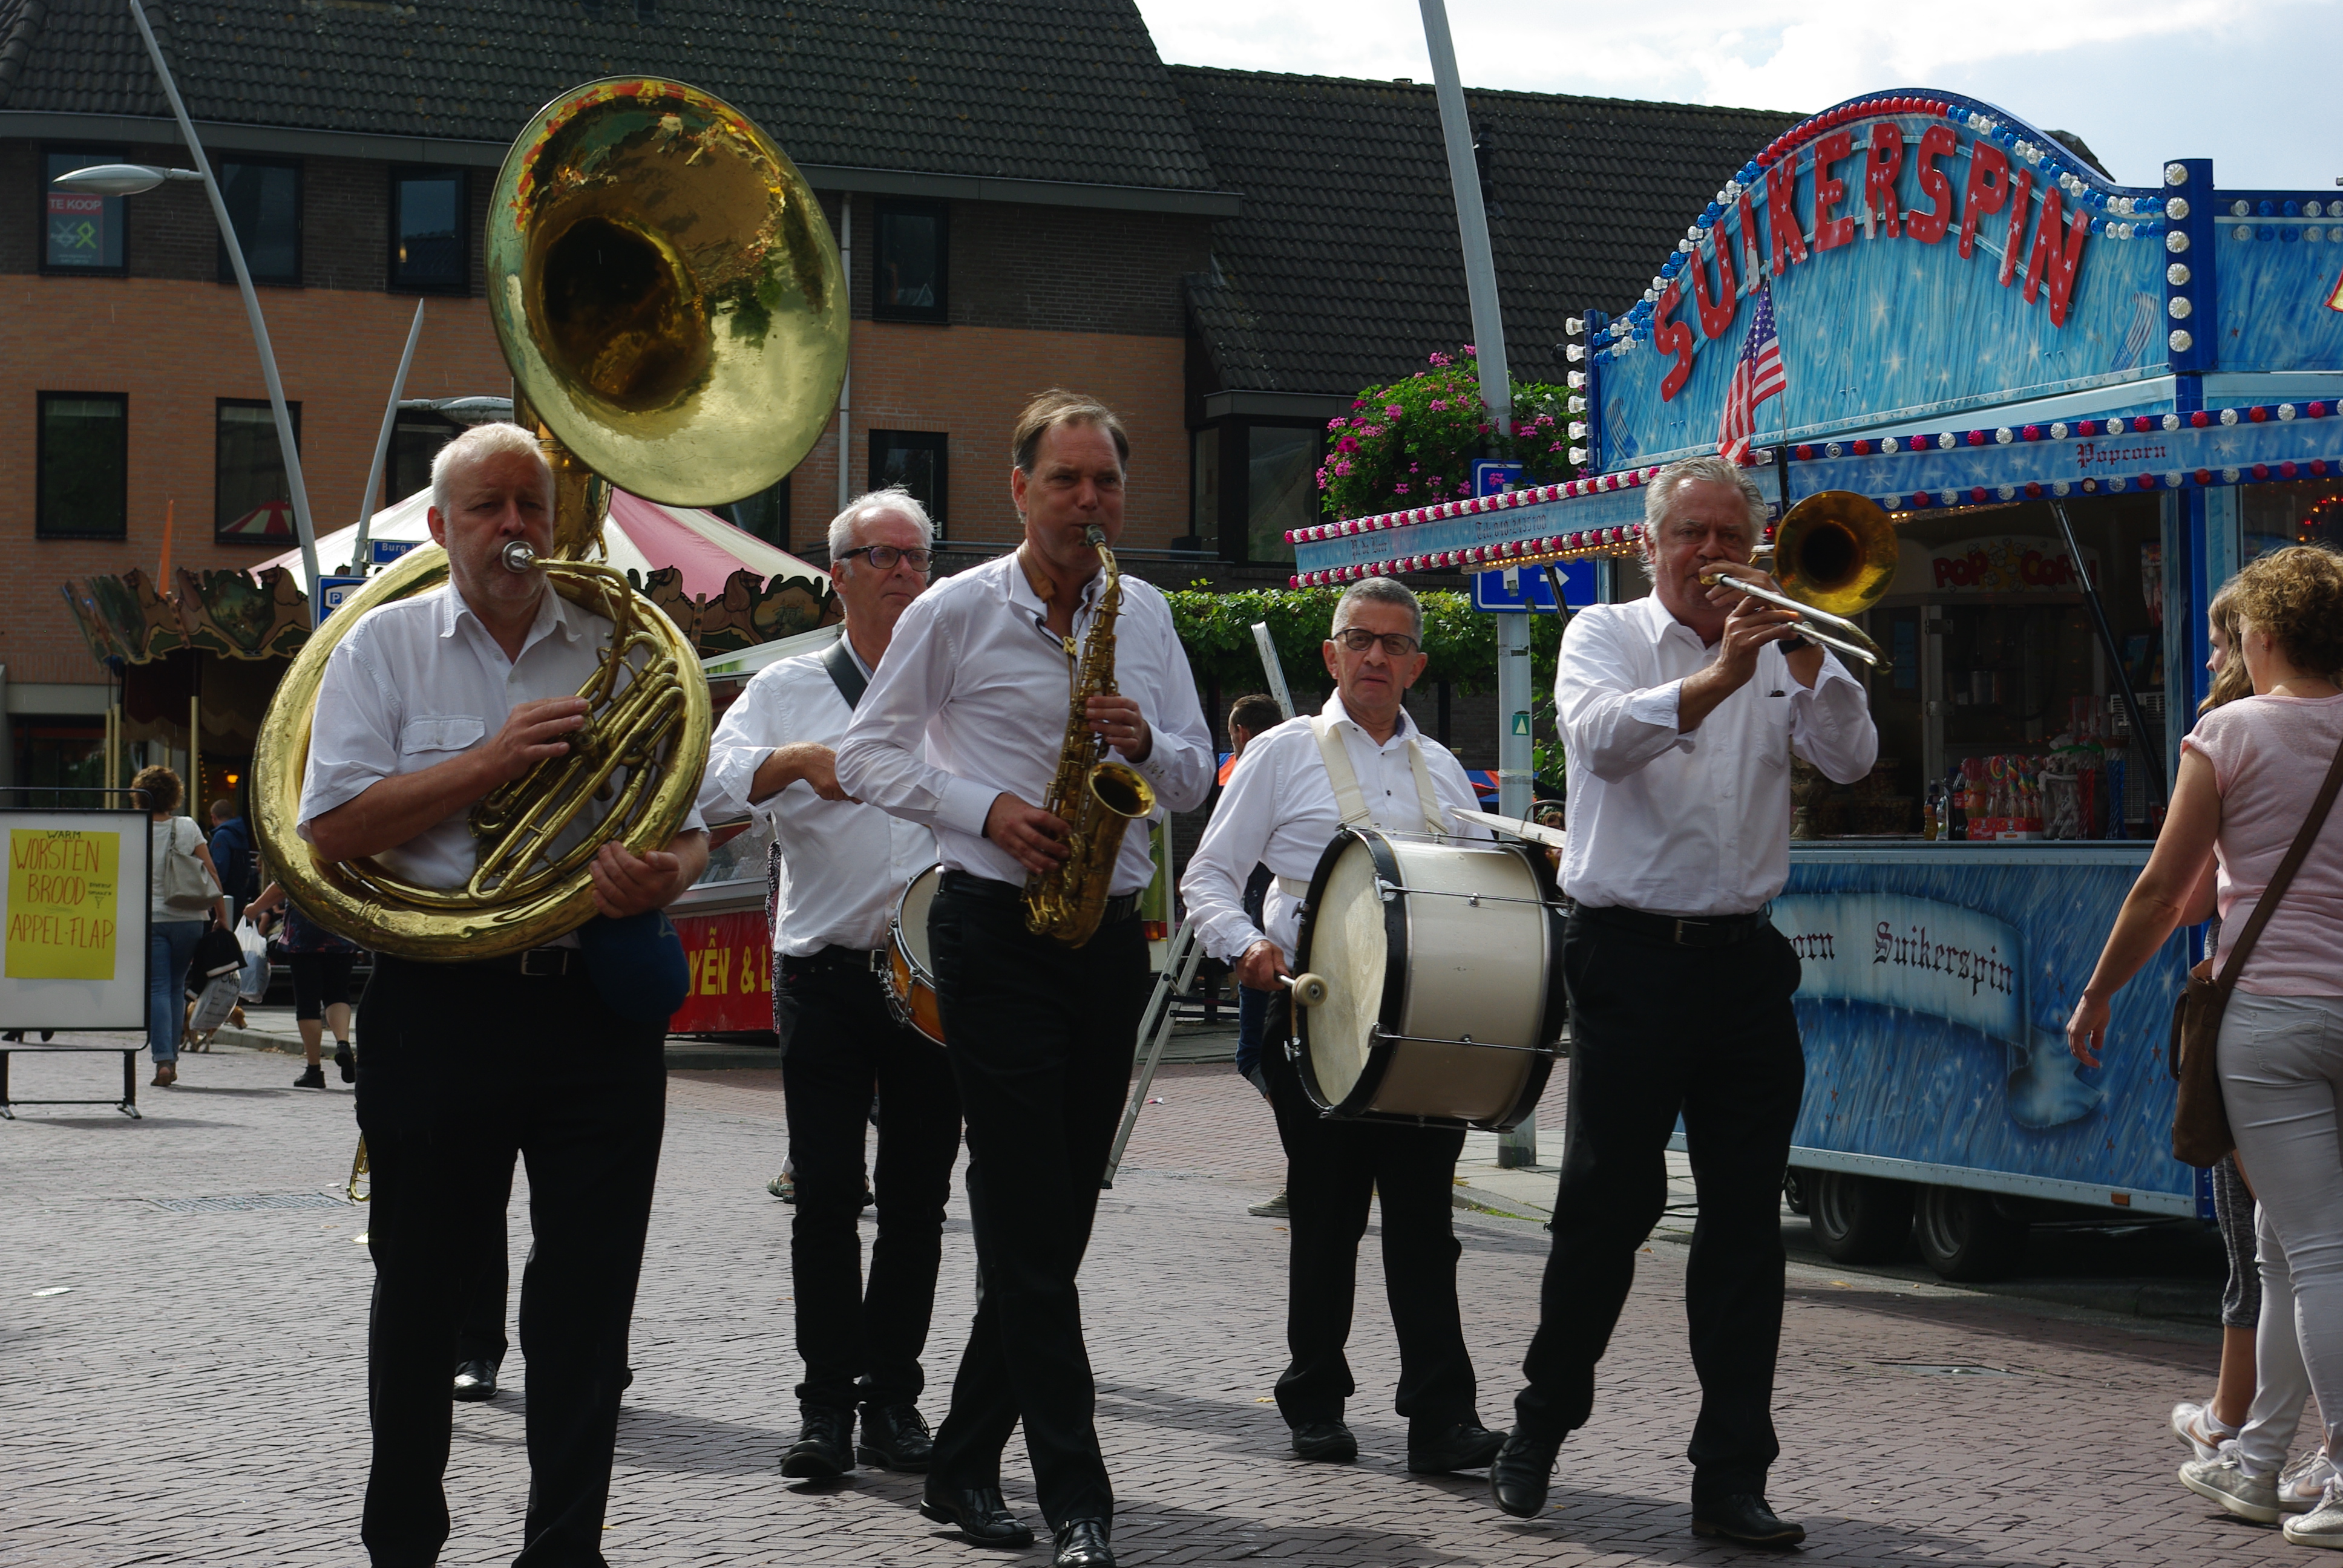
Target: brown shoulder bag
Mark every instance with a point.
(2201, 1122)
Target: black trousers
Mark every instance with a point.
(862, 1341)
(459, 1067)
(480, 1308)
(1656, 1031)
(1041, 1037)
(1333, 1171)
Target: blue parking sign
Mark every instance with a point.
(1529, 591)
(335, 592)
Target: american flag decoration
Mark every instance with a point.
(1757, 375)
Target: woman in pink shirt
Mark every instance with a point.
(2249, 774)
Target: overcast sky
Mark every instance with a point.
(2250, 84)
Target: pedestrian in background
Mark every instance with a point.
(321, 963)
(231, 854)
(181, 880)
(2249, 774)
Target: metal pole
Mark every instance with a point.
(1513, 782)
(1472, 219)
(1270, 667)
(301, 523)
(846, 381)
(382, 444)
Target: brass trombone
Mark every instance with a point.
(1834, 554)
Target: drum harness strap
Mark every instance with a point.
(1351, 801)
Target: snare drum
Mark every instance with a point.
(1436, 957)
(911, 965)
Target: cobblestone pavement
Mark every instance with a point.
(195, 1393)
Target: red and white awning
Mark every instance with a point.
(642, 534)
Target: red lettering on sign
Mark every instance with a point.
(1988, 190)
(1830, 233)
(2015, 241)
(1715, 314)
(1928, 228)
(1672, 337)
(1783, 230)
(1879, 172)
(2053, 260)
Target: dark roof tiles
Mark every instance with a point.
(1343, 266)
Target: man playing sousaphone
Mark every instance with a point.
(844, 865)
(1360, 762)
(425, 706)
(967, 728)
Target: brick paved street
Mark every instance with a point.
(194, 1395)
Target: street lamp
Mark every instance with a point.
(134, 179)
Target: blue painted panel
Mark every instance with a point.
(2274, 288)
(1946, 1084)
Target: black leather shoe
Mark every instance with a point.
(895, 1437)
(1081, 1544)
(1742, 1516)
(347, 1060)
(312, 1077)
(1326, 1440)
(823, 1449)
(1464, 1445)
(980, 1514)
(1518, 1475)
(476, 1380)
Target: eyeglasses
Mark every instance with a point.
(884, 556)
(1358, 639)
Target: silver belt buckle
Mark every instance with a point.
(545, 963)
(1680, 931)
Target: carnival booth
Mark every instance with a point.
(2072, 408)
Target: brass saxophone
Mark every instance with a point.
(1096, 797)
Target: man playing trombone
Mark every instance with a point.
(1679, 713)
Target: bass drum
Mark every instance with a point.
(1437, 958)
(911, 967)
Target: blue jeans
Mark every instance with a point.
(170, 949)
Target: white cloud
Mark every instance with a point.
(2142, 80)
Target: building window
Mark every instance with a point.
(59, 753)
(765, 514)
(252, 503)
(264, 202)
(84, 466)
(415, 440)
(1280, 488)
(428, 224)
(1204, 489)
(915, 460)
(908, 276)
(81, 233)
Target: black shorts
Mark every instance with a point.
(321, 980)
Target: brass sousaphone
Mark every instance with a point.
(670, 300)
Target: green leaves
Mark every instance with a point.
(1216, 628)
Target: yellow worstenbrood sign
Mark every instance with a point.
(62, 899)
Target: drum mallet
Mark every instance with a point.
(1309, 990)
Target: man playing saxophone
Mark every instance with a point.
(425, 706)
(980, 674)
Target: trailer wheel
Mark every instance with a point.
(1794, 1188)
(1858, 1219)
(1966, 1237)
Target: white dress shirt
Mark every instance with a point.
(1278, 810)
(975, 674)
(843, 864)
(1698, 822)
(420, 681)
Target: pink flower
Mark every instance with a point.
(1343, 466)
(1484, 427)
(1439, 405)
(1347, 444)
(1393, 410)
(1399, 489)
(1336, 424)
(1470, 352)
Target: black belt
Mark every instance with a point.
(961, 884)
(537, 963)
(835, 958)
(1685, 931)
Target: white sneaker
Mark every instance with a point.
(2323, 1525)
(2200, 1428)
(2303, 1482)
(2226, 1483)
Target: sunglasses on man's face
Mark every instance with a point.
(884, 556)
(1358, 639)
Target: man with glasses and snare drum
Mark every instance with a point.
(1360, 762)
(844, 864)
